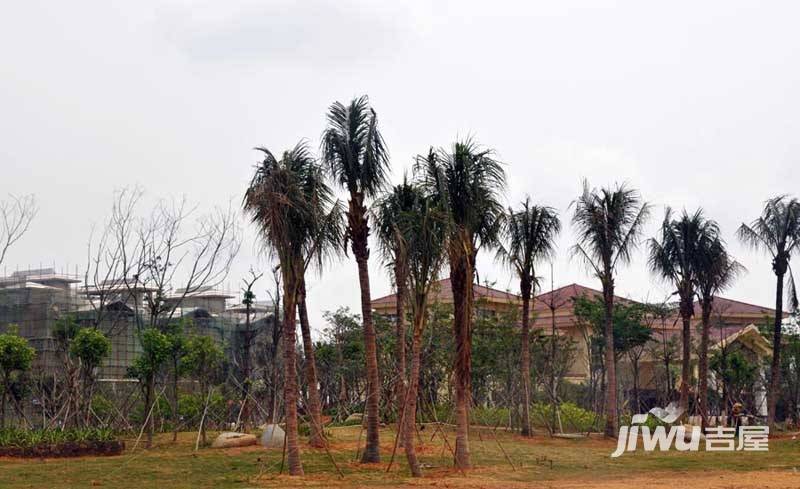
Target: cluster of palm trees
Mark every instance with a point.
(442, 217)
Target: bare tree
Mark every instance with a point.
(154, 262)
(172, 250)
(103, 277)
(16, 215)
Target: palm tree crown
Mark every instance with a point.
(675, 257)
(777, 232)
(353, 148)
(387, 215)
(716, 270)
(609, 224)
(293, 206)
(530, 233)
(468, 182)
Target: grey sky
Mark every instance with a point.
(694, 103)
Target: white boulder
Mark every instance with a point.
(273, 436)
(230, 439)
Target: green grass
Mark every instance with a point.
(177, 466)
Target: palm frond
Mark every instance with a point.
(353, 148)
(609, 224)
(530, 234)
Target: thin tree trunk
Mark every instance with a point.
(175, 373)
(400, 325)
(775, 371)
(461, 273)
(612, 421)
(636, 393)
(206, 396)
(244, 410)
(3, 403)
(702, 366)
(525, 360)
(410, 410)
(314, 403)
(149, 401)
(290, 393)
(686, 338)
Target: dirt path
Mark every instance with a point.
(683, 480)
(778, 479)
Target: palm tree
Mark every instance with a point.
(389, 211)
(354, 151)
(776, 232)
(531, 232)
(466, 182)
(715, 271)
(289, 201)
(423, 228)
(675, 257)
(609, 224)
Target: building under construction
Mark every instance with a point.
(36, 300)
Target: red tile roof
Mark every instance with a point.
(730, 306)
(443, 292)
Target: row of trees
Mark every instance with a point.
(447, 213)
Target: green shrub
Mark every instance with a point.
(190, 406)
(14, 437)
(102, 406)
(574, 418)
(487, 416)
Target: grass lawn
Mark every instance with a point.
(539, 462)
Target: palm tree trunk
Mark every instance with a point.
(290, 372)
(314, 403)
(525, 360)
(372, 448)
(612, 421)
(400, 325)
(702, 366)
(461, 273)
(686, 338)
(775, 371)
(410, 410)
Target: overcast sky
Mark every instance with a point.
(693, 103)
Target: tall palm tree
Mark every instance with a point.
(609, 224)
(530, 233)
(293, 207)
(354, 151)
(715, 271)
(389, 212)
(423, 228)
(466, 182)
(776, 232)
(675, 257)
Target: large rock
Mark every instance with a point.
(230, 439)
(273, 436)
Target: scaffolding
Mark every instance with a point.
(35, 300)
